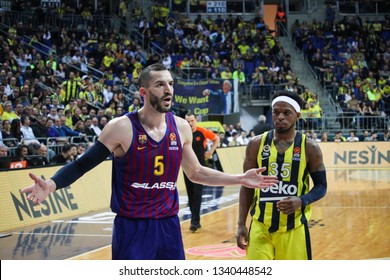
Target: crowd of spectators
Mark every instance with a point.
(63, 96)
(351, 57)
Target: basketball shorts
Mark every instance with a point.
(291, 245)
(147, 239)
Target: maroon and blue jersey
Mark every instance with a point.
(144, 179)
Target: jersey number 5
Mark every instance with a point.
(158, 166)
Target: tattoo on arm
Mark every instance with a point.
(316, 162)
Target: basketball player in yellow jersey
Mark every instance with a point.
(280, 214)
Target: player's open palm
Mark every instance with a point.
(38, 191)
(253, 179)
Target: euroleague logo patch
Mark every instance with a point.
(173, 142)
(226, 250)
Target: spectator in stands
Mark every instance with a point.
(224, 142)
(54, 133)
(16, 132)
(213, 74)
(242, 139)
(135, 106)
(240, 76)
(3, 151)
(110, 112)
(95, 126)
(76, 117)
(353, 105)
(330, 14)
(338, 137)
(81, 147)
(60, 129)
(10, 87)
(143, 25)
(21, 152)
(28, 134)
(42, 150)
(315, 113)
(372, 137)
(134, 87)
(8, 138)
(314, 136)
(103, 121)
(367, 113)
(386, 135)
(352, 137)
(281, 21)
(80, 128)
(233, 140)
(324, 137)
(71, 88)
(166, 60)
(65, 156)
(226, 74)
(73, 151)
(217, 38)
(52, 113)
(258, 85)
(8, 113)
(363, 136)
(262, 126)
(90, 133)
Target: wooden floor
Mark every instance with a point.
(350, 223)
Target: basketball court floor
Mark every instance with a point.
(350, 223)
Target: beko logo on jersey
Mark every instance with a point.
(282, 188)
(162, 185)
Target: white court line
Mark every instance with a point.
(62, 234)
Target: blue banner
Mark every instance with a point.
(204, 97)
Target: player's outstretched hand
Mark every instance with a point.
(38, 191)
(254, 180)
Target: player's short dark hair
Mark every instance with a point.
(144, 76)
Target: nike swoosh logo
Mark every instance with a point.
(141, 148)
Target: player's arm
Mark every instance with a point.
(208, 176)
(110, 140)
(317, 172)
(246, 195)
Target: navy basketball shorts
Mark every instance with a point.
(147, 239)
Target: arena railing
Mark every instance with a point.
(345, 122)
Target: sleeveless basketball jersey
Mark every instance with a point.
(144, 179)
(293, 176)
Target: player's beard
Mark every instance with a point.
(285, 130)
(156, 103)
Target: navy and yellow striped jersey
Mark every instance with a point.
(144, 179)
(294, 179)
(71, 91)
